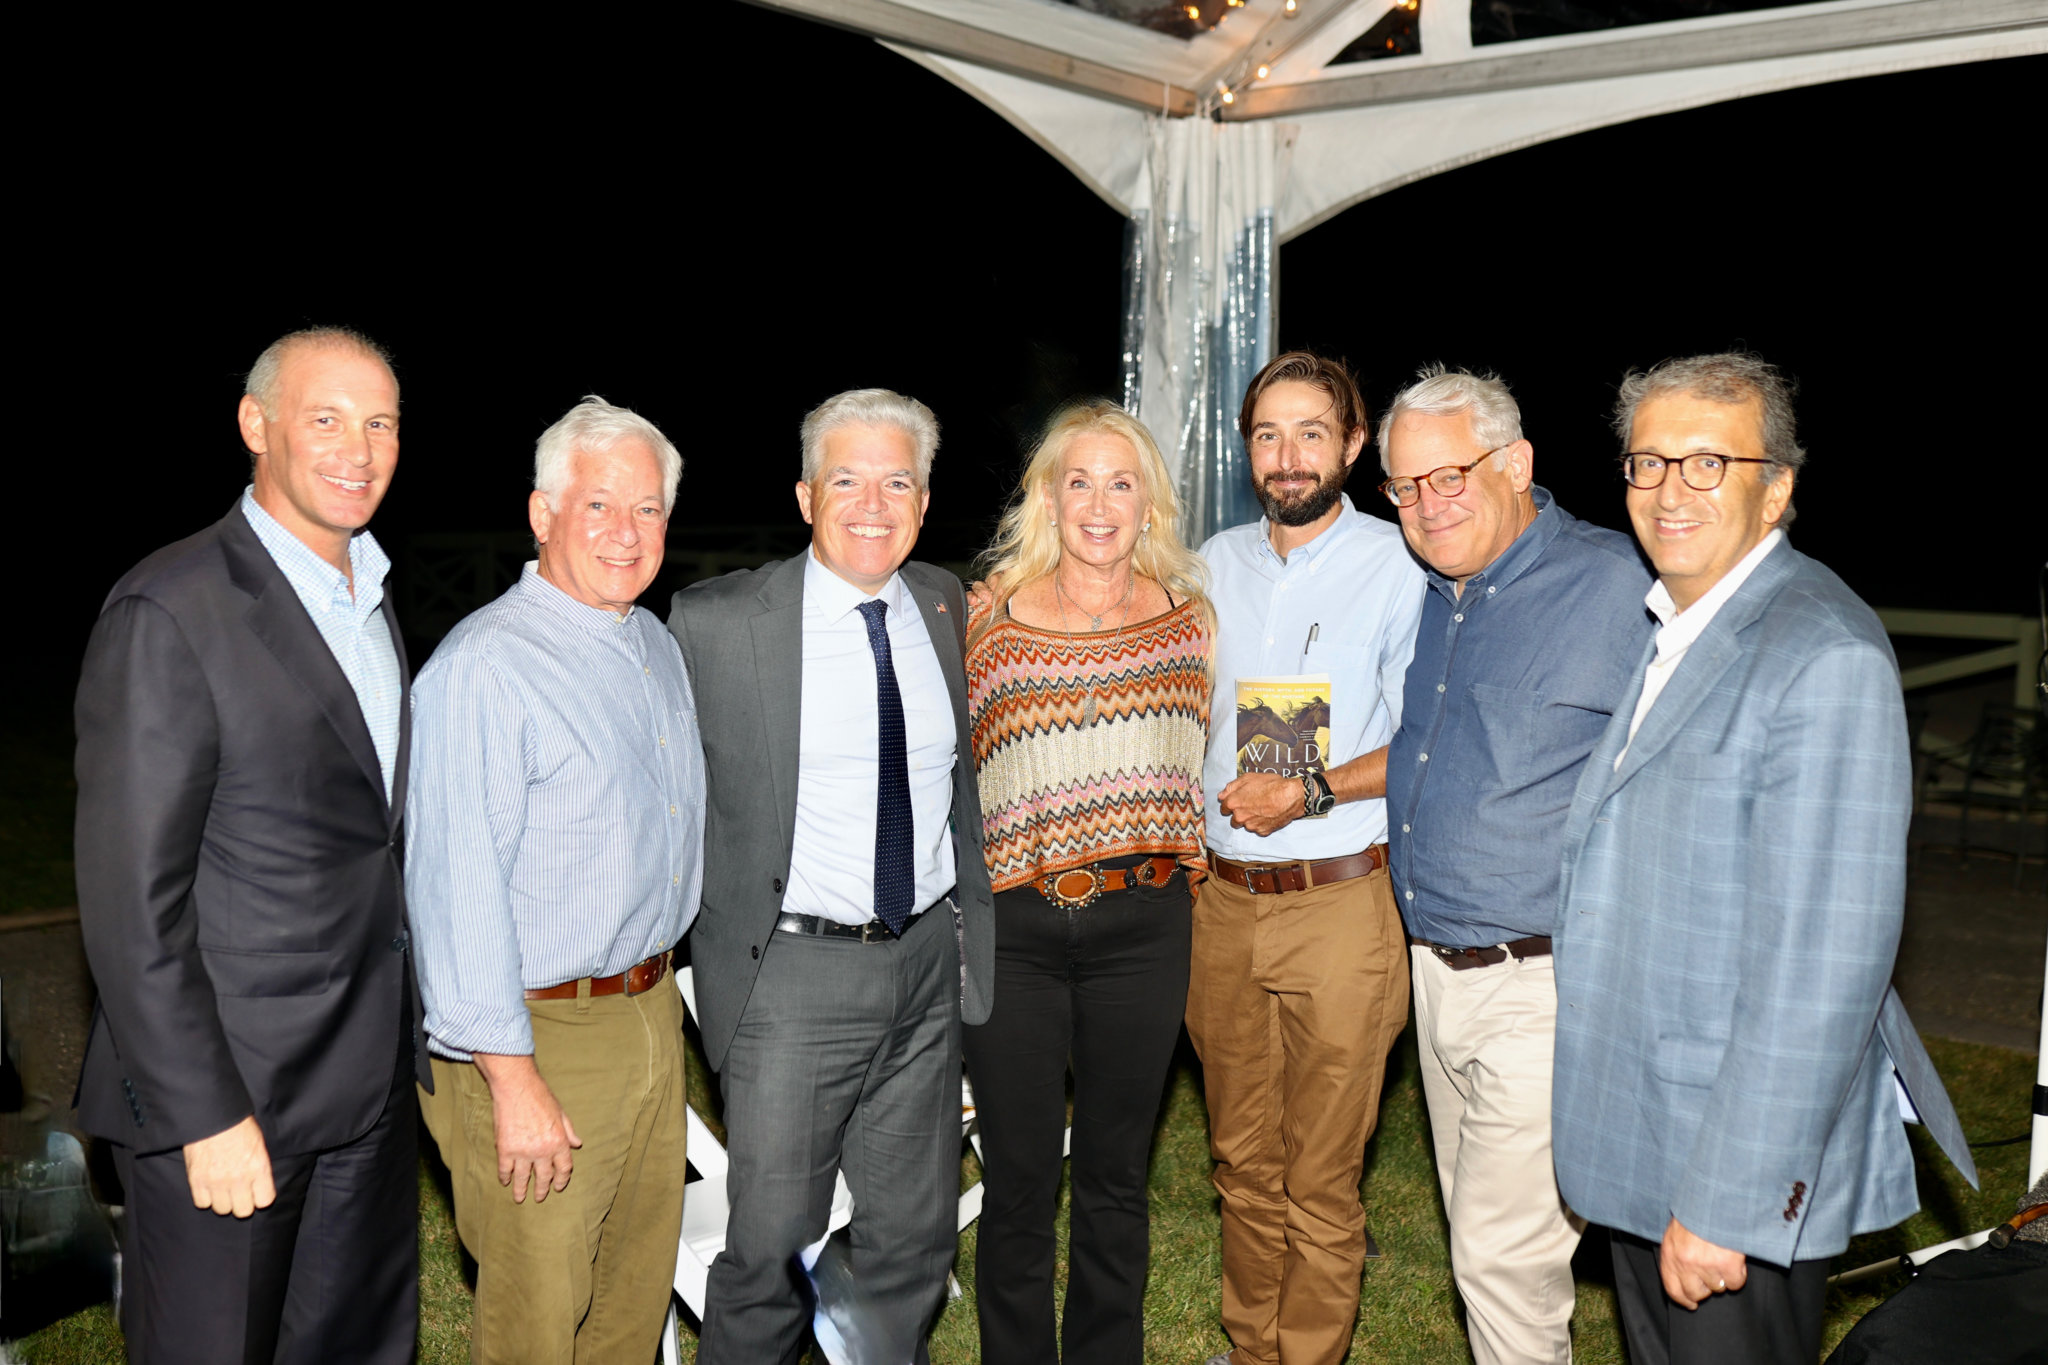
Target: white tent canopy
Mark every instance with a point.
(1250, 131)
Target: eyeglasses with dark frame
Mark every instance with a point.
(1448, 481)
(1707, 469)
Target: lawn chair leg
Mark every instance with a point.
(671, 1349)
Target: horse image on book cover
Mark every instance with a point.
(1283, 724)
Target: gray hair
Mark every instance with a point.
(871, 408)
(261, 384)
(1731, 377)
(1495, 417)
(595, 426)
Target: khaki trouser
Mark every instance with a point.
(1293, 1003)
(1485, 1035)
(582, 1277)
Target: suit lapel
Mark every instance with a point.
(1710, 657)
(1702, 667)
(944, 630)
(1597, 778)
(279, 619)
(404, 762)
(778, 637)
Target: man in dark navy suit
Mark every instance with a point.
(241, 757)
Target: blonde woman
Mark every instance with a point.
(1088, 702)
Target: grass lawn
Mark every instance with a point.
(1408, 1311)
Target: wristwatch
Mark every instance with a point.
(1316, 796)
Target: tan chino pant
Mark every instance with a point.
(1293, 1003)
(1486, 1037)
(582, 1277)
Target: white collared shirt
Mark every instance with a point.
(832, 860)
(1681, 628)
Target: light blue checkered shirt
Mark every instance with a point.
(351, 624)
(554, 808)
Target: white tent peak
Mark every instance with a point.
(1216, 165)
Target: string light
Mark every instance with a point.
(1195, 13)
(1291, 8)
(1230, 97)
(1263, 72)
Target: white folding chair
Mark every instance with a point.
(705, 1209)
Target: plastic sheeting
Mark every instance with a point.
(1199, 257)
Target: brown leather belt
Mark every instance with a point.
(1080, 886)
(1268, 879)
(637, 979)
(1464, 959)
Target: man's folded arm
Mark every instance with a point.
(148, 757)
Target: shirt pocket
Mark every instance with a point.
(1354, 695)
(686, 756)
(1509, 721)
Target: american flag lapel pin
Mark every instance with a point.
(941, 606)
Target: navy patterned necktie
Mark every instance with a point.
(895, 870)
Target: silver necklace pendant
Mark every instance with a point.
(1093, 710)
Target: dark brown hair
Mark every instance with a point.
(1305, 367)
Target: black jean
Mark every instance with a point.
(1105, 988)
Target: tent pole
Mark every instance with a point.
(2037, 1159)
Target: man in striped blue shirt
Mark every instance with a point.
(557, 817)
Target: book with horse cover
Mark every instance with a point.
(1283, 724)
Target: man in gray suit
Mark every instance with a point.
(846, 926)
(1732, 1063)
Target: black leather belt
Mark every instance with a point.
(1464, 959)
(874, 931)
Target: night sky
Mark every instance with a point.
(722, 223)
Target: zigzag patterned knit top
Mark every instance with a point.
(1089, 747)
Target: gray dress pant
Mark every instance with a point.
(847, 1058)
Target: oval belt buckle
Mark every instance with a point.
(1097, 883)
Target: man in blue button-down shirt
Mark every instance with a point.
(1299, 981)
(557, 816)
(1531, 630)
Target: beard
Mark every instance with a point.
(1299, 509)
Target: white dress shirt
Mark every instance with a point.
(1681, 628)
(832, 861)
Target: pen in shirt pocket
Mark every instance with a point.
(1314, 629)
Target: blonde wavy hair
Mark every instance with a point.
(1027, 544)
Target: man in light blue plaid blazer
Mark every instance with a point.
(1732, 1064)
